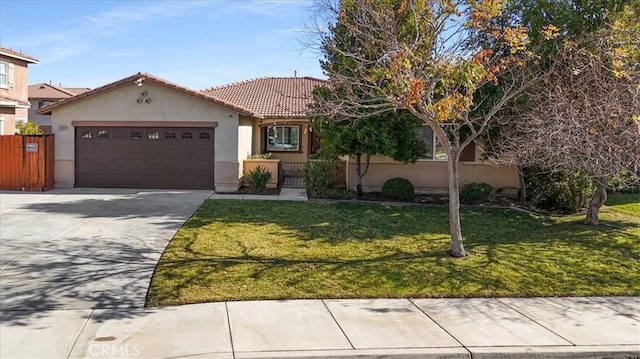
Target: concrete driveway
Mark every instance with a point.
(85, 248)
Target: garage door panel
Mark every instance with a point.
(144, 157)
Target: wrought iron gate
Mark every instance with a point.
(292, 174)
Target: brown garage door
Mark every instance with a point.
(137, 157)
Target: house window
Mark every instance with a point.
(204, 136)
(4, 74)
(187, 135)
(282, 138)
(44, 103)
(136, 135)
(153, 135)
(169, 135)
(103, 134)
(86, 134)
(434, 150)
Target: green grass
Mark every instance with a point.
(246, 250)
(628, 204)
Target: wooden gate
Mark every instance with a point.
(26, 162)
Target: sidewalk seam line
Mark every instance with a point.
(535, 321)
(441, 327)
(80, 333)
(338, 324)
(614, 309)
(233, 350)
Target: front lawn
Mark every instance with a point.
(246, 250)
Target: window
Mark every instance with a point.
(86, 134)
(169, 134)
(136, 135)
(282, 138)
(153, 135)
(103, 134)
(187, 135)
(4, 74)
(434, 150)
(44, 103)
(204, 136)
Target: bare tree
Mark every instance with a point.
(431, 57)
(585, 117)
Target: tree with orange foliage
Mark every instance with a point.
(430, 57)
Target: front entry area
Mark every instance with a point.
(144, 157)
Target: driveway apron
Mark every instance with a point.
(86, 248)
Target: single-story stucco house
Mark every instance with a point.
(145, 132)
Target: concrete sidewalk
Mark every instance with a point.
(286, 194)
(391, 328)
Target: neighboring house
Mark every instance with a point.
(145, 132)
(45, 94)
(14, 101)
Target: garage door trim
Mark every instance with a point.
(144, 124)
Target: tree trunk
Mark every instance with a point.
(457, 248)
(576, 194)
(598, 200)
(523, 186)
(360, 172)
(359, 175)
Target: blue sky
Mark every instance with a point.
(197, 44)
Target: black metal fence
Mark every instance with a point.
(292, 174)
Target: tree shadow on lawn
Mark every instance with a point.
(508, 248)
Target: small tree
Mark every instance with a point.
(586, 117)
(27, 128)
(393, 134)
(429, 57)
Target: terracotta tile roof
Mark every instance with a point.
(18, 55)
(47, 91)
(273, 97)
(46, 110)
(77, 90)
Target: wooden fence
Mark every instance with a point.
(26, 162)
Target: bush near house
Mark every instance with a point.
(257, 179)
(318, 176)
(27, 128)
(398, 188)
(476, 193)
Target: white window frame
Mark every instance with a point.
(1, 126)
(443, 157)
(5, 84)
(281, 146)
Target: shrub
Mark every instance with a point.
(474, 193)
(398, 189)
(551, 191)
(318, 175)
(27, 128)
(261, 156)
(257, 179)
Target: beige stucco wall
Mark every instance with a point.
(245, 140)
(120, 104)
(298, 156)
(432, 176)
(20, 91)
(42, 120)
